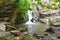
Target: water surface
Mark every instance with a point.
(35, 28)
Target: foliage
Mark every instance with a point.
(42, 5)
(22, 6)
(53, 3)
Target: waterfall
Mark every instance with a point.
(29, 15)
(30, 18)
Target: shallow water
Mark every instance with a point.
(35, 28)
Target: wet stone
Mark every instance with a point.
(15, 32)
(28, 37)
(50, 30)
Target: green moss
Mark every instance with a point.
(53, 3)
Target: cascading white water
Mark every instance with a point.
(29, 13)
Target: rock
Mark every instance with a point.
(38, 36)
(28, 37)
(7, 8)
(58, 4)
(54, 38)
(17, 38)
(3, 38)
(4, 34)
(23, 29)
(10, 28)
(50, 30)
(15, 32)
(2, 27)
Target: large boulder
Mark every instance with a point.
(7, 9)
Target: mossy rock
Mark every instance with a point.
(3, 38)
(28, 37)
